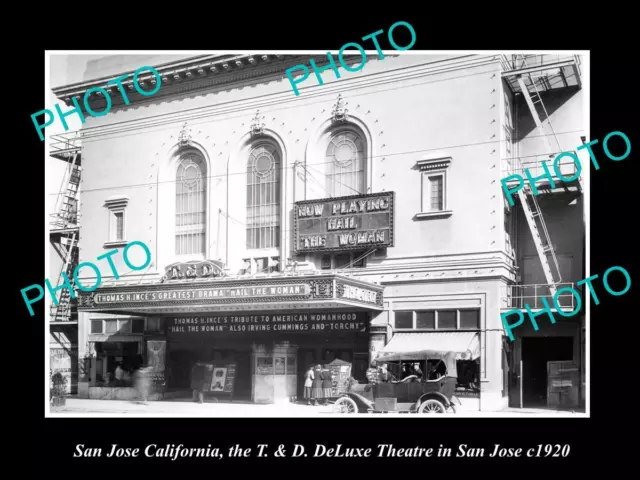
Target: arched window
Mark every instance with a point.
(345, 164)
(191, 206)
(263, 196)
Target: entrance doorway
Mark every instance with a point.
(536, 352)
(243, 377)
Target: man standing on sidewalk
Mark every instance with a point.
(198, 373)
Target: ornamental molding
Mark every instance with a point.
(185, 76)
(257, 124)
(184, 137)
(339, 112)
(427, 165)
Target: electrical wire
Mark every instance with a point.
(243, 172)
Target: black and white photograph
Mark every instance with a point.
(381, 232)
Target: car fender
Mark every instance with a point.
(435, 396)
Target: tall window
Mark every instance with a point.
(263, 197)
(344, 164)
(191, 201)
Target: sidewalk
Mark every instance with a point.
(187, 408)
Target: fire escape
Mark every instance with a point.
(531, 76)
(64, 226)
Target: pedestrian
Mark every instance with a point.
(308, 384)
(119, 375)
(327, 385)
(316, 392)
(198, 382)
(143, 384)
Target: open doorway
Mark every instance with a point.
(536, 352)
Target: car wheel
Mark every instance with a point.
(345, 405)
(431, 406)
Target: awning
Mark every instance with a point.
(421, 345)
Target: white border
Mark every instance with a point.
(586, 106)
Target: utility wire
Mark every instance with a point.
(244, 172)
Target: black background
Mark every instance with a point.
(599, 440)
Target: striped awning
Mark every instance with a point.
(423, 345)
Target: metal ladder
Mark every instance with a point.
(541, 239)
(65, 214)
(530, 205)
(533, 99)
(62, 311)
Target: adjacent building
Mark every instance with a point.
(364, 216)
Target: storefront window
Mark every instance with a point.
(467, 319)
(96, 326)
(447, 320)
(404, 319)
(110, 326)
(110, 356)
(426, 320)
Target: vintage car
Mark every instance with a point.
(410, 395)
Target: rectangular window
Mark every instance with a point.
(426, 320)
(434, 188)
(404, 319)
(137, 325)
(436, 192)
(153, 324)
(470, 319)
(110, 326)
(447, 319)
(96, 326)
(124, 326)
(119, 221)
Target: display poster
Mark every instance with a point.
(60, 362)
(156, 350)
(279, 365)
(291, 366)
(340, 373)
(264, 366)
(218, 379)
(230, 379)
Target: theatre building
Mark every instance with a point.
(363, 216)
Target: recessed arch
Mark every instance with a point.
(183, 197)
(338, 159)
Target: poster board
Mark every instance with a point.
(222, 379)
(340, 373)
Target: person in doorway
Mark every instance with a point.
(308, 384)
(316, 392)
(119, 375)
(327, 385)
(198, 382)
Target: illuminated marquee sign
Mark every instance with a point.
(296, 323)
(344, 223)
(202, 294)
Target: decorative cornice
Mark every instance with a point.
(433, 164)
(184, 75)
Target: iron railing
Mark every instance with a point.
(517, 296)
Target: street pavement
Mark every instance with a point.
(186, 408)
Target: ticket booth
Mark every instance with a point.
(274, 378)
